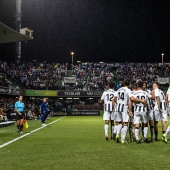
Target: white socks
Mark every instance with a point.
(145, 130)
(124, 132)
(115, 129)
(167, 130)
(137, 134)
(106, 128)
(119, 127)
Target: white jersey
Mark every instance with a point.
(168, 93)
(149, 101)
(142, 95)
(123, 95)
(107, 97)
(159, 93)
(133, 104)
(133, 91)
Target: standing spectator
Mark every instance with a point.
(43, 110)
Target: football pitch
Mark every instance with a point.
(77, 143)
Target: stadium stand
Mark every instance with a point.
(146, 72)
(34, 75)
(89, 77)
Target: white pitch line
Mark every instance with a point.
(14, 140)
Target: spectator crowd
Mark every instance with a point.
(146, 72)
(34, 75)
(54, 106)
(89, 76)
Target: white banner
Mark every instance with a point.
(163, 80)
(160, 64)
(71, 80)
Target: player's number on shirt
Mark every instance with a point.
(121, 95)
(141, 97)
(110, 97)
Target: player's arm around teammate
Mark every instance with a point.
(136, 100)
(131, 121)
(20, 115)
(130, 108)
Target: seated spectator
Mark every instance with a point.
(30, 115)
(3, 118)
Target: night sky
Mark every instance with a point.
(96, 30)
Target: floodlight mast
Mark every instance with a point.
(18, 27)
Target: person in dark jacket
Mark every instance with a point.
(43, 111)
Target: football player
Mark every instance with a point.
(160, 110)
(122, 98)
(108, 116)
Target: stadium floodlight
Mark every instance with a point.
(162, 58)
(72, 55)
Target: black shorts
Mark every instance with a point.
(22, 116)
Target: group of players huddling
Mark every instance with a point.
(134, 110)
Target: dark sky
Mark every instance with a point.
(96, 30)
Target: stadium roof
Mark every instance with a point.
(8, 35)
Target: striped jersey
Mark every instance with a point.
(123, 95)
(142, 95)
(107, 97)
(133, 104)
(168, 93)
(159, 93)
(149, 101)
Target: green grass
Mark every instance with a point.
(77, 143)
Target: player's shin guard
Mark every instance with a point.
(137, 133)
(145, 130)
(124, 132)
(119, 127)
(115, 129)
(106, 127)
